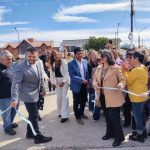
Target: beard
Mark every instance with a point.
(32, 61)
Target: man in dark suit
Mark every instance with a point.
(26, 85)
(78, 72)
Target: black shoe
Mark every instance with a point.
(138, 137)
(126, 125)
(106, 137)
(63, 120)
(80, 121)
(10, 131)
(30, 136)
(145, 134)
(117, 142)
(95, 120)
(84, 117)
(14, 125)
(134, 133)
(39, 118)
(41, 139)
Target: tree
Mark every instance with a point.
(96, 43)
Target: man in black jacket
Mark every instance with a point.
(5, 92)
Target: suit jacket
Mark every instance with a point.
(75, 76)
(113, 77)
(26, 84)
(64, 72)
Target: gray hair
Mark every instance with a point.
(5, 54)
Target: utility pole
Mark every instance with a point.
(115, 40)
(139, 38)
(117, 46)
(142, 42)
(18, 40)
(132, 14)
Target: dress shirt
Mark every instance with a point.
(34, 67)
(81, 69)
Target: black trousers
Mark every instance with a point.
(113, 121)
(50, 87)
(33, 117)
(127, 108)
(79, 101)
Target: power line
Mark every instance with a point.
(123, 18)
(135, 22)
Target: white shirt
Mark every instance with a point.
(81, 69)
(34, 67)
(43, 71)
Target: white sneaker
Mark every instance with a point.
(54, 92)
(51, 92)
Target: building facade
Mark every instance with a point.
(19, 49)
(71, 44)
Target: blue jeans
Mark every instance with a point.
(138, 112)
(9, 115)
(91, 103)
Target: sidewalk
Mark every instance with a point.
(69, 135)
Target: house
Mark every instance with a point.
(19, 49)
(71, 44)
(13, 48)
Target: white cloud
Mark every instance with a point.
(60, 35)
(23, 29)
(68, 14)
(142, 5)
(13, 23)
(4, 10)
(63, 18)
(94, 8)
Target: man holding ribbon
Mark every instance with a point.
(26, 86)
(6, 75)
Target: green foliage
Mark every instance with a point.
(96, 43)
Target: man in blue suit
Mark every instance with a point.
(78, 72)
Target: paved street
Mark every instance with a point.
(69, 135)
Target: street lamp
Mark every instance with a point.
(18, 40)
(139, 39)
(117, 36)
(115, 40)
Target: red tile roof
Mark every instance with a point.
(32, 42)
(13, 45)
(35, 43)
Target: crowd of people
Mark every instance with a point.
(96, 79)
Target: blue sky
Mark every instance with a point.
(72, 19)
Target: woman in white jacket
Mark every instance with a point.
(59, 77)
